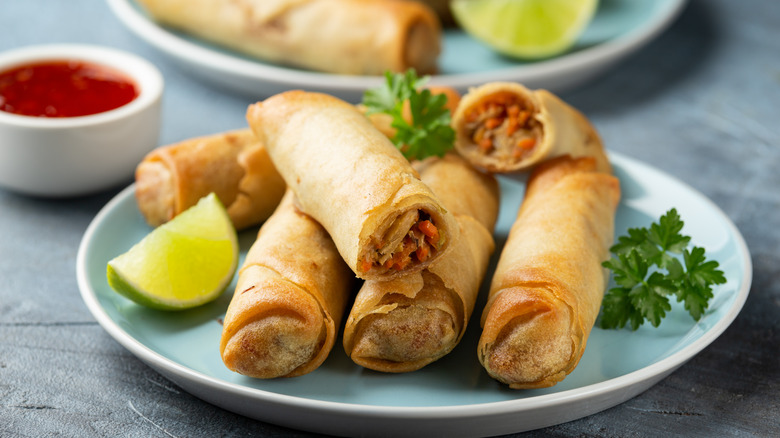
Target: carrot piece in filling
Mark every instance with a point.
(422, 253)
(512, 125)
(526, 143)
(522, 146)
(430, 231)
(485, 145)
(493, 122)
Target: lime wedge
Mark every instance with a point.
(527, 29)
(183, 263)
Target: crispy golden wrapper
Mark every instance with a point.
(547, 288)
(350, 178)
(361, 37)
(405, 323)
(234, 165)
(289, 300)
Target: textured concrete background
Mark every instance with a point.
(702, 102)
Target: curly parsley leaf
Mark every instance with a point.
(647, 272)
(618, 311)
(666, 233)
(390, 97)
(700, 275)
(648, 302)
(428, 133)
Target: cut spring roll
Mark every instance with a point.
(366, 37)
(350, 178)
(549, 282)
(504, 127)
(406, 323)
(234, 165)
(289, 300)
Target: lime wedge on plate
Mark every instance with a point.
(181, 264)
(527, 29)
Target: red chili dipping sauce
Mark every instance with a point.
(64, 89)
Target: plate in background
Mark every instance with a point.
(453, 396)
(619, 28)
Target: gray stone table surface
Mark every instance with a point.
(701, 102)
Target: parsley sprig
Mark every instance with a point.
(647, 272)
(429, 132)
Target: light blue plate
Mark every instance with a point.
(454, 396)
(618, 28)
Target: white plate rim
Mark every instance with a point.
(603, 54)
(622, 383)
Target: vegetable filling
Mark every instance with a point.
(502, 126)
(416, 246)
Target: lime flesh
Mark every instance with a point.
(525, 29)
(183, 263)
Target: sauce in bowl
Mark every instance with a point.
(64, 88)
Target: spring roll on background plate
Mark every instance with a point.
(234, 165)
(351, 179)
(504, 127)
(289, 300)
(442, 9)
(547, 288)
(362, 37)
(405, 323)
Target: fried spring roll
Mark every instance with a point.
(406, 323)
(504, 127)
(549, 282)
(442, 9)
(289, 300)
(364, 37)
(350, 178)
(234, 165)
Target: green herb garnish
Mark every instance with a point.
(647, 273)
(429, 132)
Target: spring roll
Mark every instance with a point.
(289, 299)
(504, 127)
(548, 285)
(405, 323)
(362, 37)
(351, 179)
(234, 165)
(442, 9)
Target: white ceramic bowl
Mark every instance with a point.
(71, 156)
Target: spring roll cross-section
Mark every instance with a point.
(350, 178)
(234, 165)
(405, 323)
(289, 299)
(364, 37)
(548, 285)
(504, 127)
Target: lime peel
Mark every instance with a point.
(526, 29)
(186, 262)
